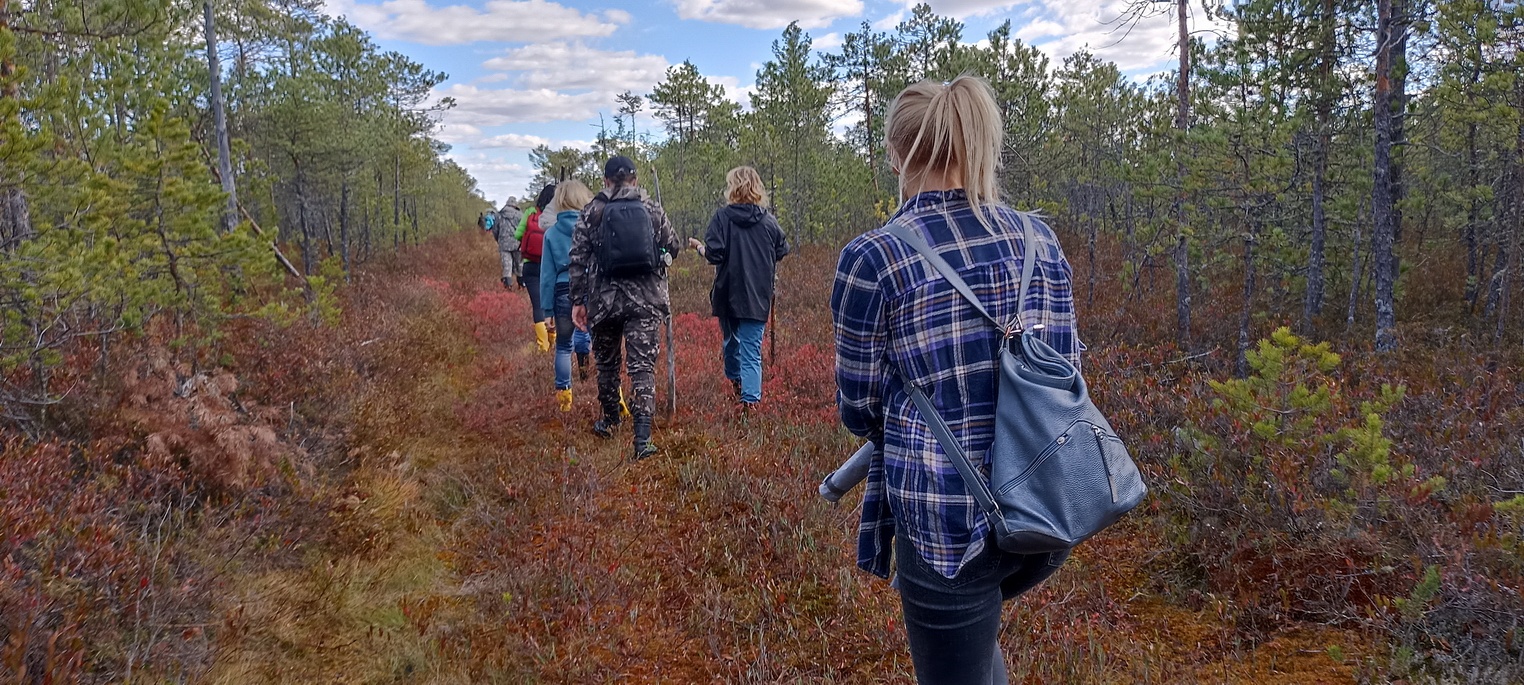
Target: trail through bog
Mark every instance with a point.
(484, 536)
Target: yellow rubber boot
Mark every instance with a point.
(541, 336)
(564, 400)
(624, 407)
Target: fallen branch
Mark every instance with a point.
(260, 232)
(279, 256)
(1189, 357)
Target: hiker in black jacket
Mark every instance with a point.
(744, 243)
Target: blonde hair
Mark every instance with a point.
(743, 186)
(936, 127)
(571, 195)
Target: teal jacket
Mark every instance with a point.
(555, 257)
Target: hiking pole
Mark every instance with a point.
(772, 324)
(671, 349)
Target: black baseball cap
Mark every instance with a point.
(617, 166)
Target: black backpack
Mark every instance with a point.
(627, 240)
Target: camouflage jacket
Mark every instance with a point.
(603, 297)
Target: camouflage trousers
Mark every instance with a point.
(640, 336)
(513, 267)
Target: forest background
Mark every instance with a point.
(176, 223)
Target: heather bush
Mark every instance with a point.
(1287, 496)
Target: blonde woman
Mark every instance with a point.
(896, 322)
(555, 283)
(744, 243)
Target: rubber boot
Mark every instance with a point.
(541, 337)
(564, 400)
(605, 427)
(507, 285)
(550, 330)
(624, 407)
(643, 446)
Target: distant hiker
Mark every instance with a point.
(744, 243)
(555, 283)
(508, 245)
(621, 247)
(531, 235)
(896, 317)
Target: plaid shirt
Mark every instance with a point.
(895, 315)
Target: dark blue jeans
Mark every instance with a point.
(532, 284)
(954, 623)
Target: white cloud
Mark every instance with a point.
(1041, 28)
(454, 133)
(574, 66)
(889, 22)
(498, 178)
(967, 8)
(1062, 27)
(734, 91)
(517, 141)
(512, 140)
(828, 42)
(418, 21)
(496, 107)
(769, 14)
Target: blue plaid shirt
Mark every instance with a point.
(894, 314)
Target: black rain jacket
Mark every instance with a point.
(744, 243)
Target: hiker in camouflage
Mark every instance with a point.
(624, 310)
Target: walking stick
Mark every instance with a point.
(772, 324)
(671, 343)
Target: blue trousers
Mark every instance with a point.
(532, 284)
(953, 624)
(569, 338)
(743, 355)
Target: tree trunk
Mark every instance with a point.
(220, 121)
(1384, 194)
(1312, 306)
(15, 217)
(1473, 212)
(1090, 295)
(365, 234)
(1357, 271)
(1508, 278)
(413, 211)
(344, 226)
(301, 219)
(1182, 241)
(1241, 365)
(397, 194)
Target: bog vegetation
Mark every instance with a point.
(267, 415)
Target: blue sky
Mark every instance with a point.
(524, 72)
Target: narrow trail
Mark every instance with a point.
(483, 536)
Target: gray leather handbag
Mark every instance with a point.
(1058, 472)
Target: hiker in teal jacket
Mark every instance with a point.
(555, 284)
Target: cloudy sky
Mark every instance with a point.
(527, 72)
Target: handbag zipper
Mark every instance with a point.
(1100, 444)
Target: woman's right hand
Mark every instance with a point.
(696, 244)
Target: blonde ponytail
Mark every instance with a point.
(936, 128)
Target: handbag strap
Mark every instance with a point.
(918, 243)
(976, 485)
(973, 482)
